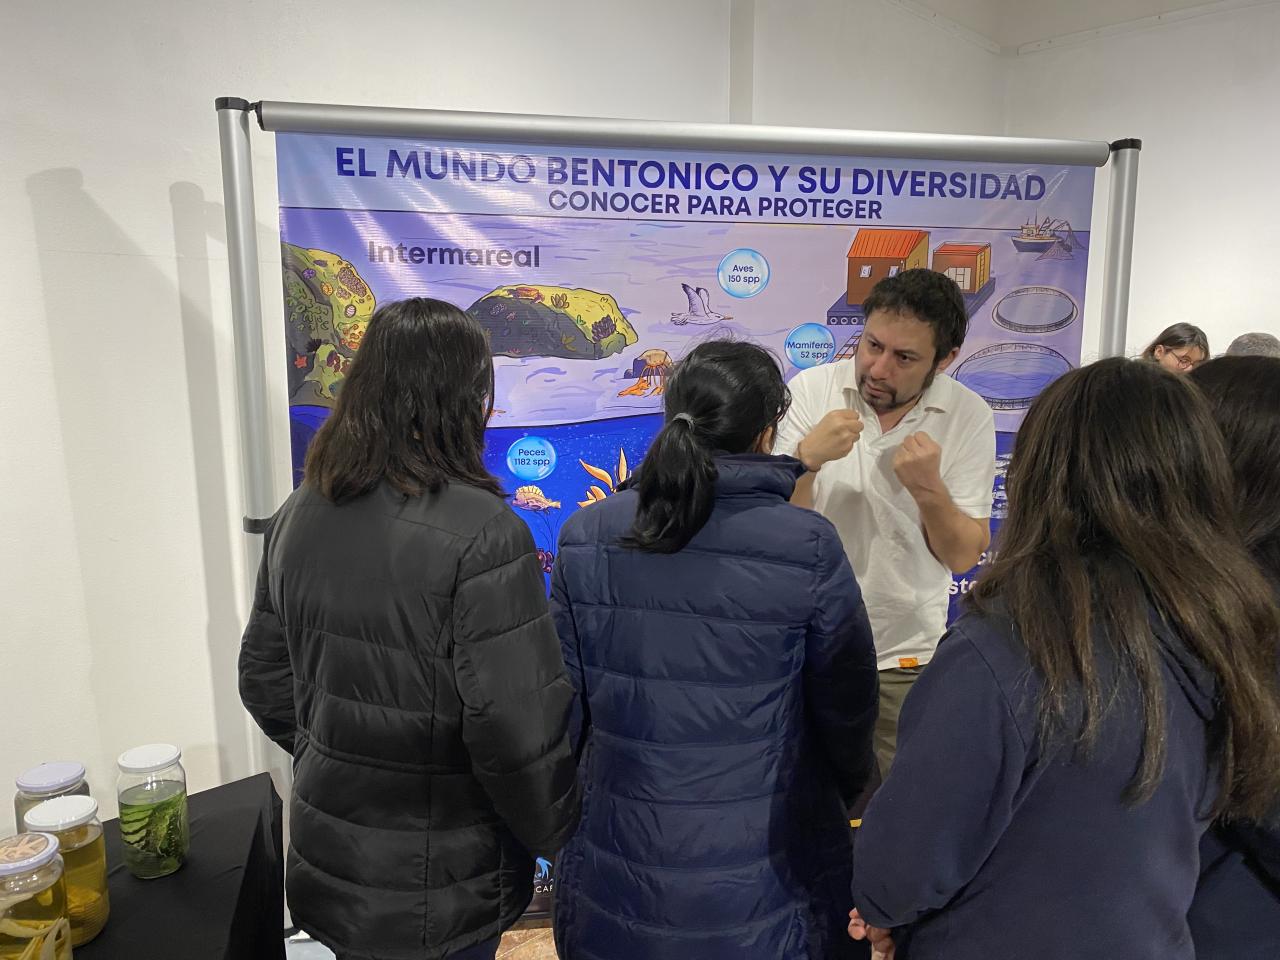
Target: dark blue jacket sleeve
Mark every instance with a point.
(840, 677)
(1261, 845)
(950, 794)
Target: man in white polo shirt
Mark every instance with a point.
(901, 460)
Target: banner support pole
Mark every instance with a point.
(1118, 267)
(258, 488)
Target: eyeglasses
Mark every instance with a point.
(1183, 359)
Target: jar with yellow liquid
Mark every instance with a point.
(34, 924)
(74, 821)
(57, 778)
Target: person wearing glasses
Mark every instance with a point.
(1180, 348)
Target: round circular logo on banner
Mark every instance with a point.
(743, 272)
(531, 458)
(809, 345)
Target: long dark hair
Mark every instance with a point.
(1119, 502)
(720, 399)
(1244, 393)
(1178, 335)
(412, 410)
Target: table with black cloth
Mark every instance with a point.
(227, 900)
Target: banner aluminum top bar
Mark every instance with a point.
(281, 117)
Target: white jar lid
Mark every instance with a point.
(27, 852)
(50, 778)
(148, 759)
(61, 813)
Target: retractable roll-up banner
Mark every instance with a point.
(595, 271)
(596, 264)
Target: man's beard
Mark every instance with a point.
(888, 401)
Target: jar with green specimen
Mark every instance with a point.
(154, 826)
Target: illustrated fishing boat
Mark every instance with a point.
(1050, 238)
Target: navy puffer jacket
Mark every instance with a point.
(725, 700)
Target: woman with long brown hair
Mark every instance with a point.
(1236, 914)
(1108, 694)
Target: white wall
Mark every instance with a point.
(868, 65)
(1204, 97)
(120, 554)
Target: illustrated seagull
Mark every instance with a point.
(699, 308)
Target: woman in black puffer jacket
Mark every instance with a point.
(401, 650)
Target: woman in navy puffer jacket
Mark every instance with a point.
(726, 692)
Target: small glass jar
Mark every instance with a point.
(57, 779)
(33, 899)
(152, 789)
(74, 821)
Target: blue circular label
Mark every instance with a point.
(809, 345)
(531, 458)
(743, 272)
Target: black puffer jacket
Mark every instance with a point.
(401, 650)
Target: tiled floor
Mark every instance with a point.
(533, 944)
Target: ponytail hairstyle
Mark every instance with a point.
(723, 397)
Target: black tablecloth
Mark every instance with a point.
(227, 900)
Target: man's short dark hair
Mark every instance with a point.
(931, 298)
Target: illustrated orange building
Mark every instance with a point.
(968, 264)
(879, 253)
